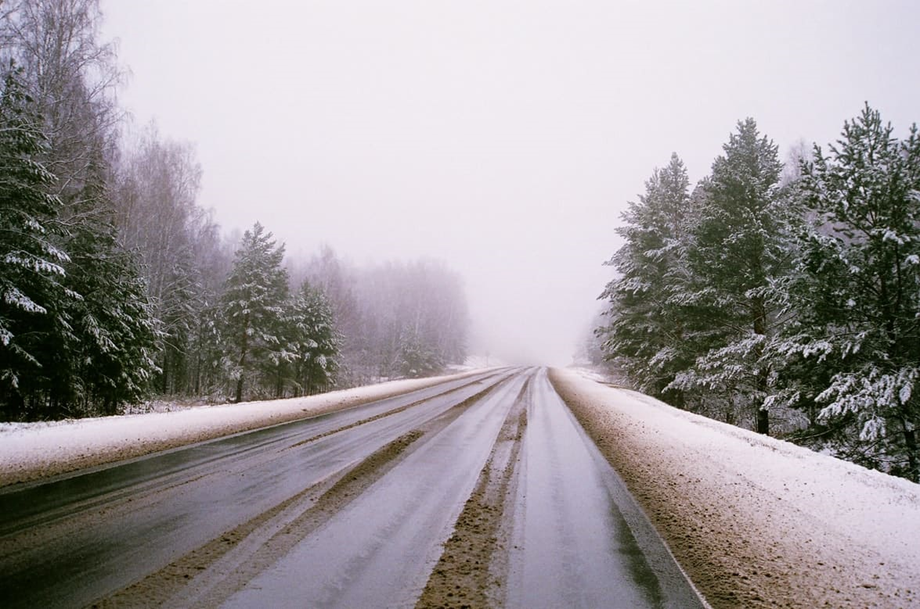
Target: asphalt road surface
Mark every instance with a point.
(476, 491)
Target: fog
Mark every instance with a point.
(503, 138)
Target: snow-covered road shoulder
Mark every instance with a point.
(757, 522)
(31, 451)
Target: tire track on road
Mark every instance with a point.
(380, 549)
(388, 413)
(473, 563)
(212, 573)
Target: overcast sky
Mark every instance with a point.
(504, 138)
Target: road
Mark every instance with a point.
(474, 492)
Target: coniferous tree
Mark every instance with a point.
(647, 330)
(338, 282)
(94, 347)
(253, 307)
(743, 245)
(416, 358)
(32, 294)
(113, 325)
(114, 330)
(858, 292)
(315, 341)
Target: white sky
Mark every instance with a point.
(502, 137)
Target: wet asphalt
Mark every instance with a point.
(578, 537)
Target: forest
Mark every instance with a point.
(784, 298)
(117, 286)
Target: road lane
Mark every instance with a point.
(334, 526)
(575, 526)
(379, 551)
(94, 543)
(36, 503)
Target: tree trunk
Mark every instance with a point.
(763, 421)
(239, 390)
(242, 362)
(760, 328)
(164, 376)
(910, 443)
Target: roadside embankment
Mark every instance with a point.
(754, 521)
(31, 451)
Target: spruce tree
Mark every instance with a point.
(32, 295)
(115, 334)
(253, 307)
(416, 358)
(113, 324)
(314, 340)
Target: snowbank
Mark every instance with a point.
(594, 374)
(29, 451)
(757, 522)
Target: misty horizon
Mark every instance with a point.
(503, 140)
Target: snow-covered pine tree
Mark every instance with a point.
(32, 295)
(253, 307)
(859, 290)
(205, 348)
(338, 281)
(647, 333)
(416, 358)
(113, 323)
(315, 340)
(114, 329)
(741, 254)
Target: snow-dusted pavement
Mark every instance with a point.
(754, 521)
(74, 540)
(377, 551)
(354, 508)
(575, 524)
(481, 489)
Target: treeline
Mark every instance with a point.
(782, 299)
(397, 319)
(116, 285)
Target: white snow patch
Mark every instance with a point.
(592, 374)
(475, 362)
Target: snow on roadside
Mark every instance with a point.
(593, 374)
(755, 521)
(484, 361)
(29, 451)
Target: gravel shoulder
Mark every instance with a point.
(756, 522)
